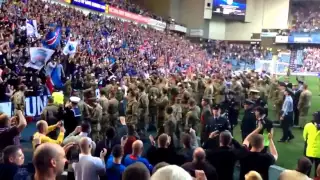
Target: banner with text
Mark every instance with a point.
(127, 15)
(157, 24)
(95, 5)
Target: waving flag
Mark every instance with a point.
(71, 47)
(32, 29)
(39, 57)
(52, 39)
(56, 76)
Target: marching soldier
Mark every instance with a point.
(162, 104)
(18, 99)
(193, 116)
(103, 101)
(143, 109)
(206, 114)
(209, 90)
(237, 89)
(113, 107)
(96, 112)
(279, 99)
(154, 94)
(132, 110)
(304, 105)
(219, 92)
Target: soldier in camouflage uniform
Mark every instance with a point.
(209, 91)
(18, 99)
(219, 91)
(237, 89)
(279, 99)
(96, 116)
(143, 101)
(103, 101)
(162, 104)
(132, 110)
(193, 116)
(113, 107)
(154, 94)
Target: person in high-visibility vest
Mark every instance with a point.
(58, 97)
(311, 135)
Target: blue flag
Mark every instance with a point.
(52, 39)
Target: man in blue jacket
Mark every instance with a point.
(137, 149)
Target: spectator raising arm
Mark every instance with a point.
(272, 147)
(246, 141)
(22, 121)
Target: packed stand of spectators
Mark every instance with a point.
(305, 16)
(128, 5)
(237, 53)
(309, 60)
(121, 48)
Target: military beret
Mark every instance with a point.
(282, 84)
(216, 106)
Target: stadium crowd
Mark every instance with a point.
(305, 16)
(128, 5)
(147, 120)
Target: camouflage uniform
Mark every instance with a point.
(154, 94)
(303, 107)
(132, 112)
(193, 119)
(113, 111)
(278, 103)
(18, 100)
(219, 95)
(209, 92)
(95, 122)
(143, 111)
(103, 101)
(162, 105)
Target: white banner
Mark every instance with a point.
(157, 24)
(32, 28)
(39, 57)
(282, 39)
(70, 48)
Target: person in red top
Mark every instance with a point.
(132, 137)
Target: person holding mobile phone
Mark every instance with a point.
(89, 167)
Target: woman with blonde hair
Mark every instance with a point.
(253, 175)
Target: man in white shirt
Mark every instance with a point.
(89, 167)
(78, 133)
(304, 167)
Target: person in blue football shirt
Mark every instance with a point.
(137, 149)
(114, 168)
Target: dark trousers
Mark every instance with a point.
(286, 124)
(296, 117)
(316, 162)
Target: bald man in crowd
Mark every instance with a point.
(164, 153)
(89, 167)
(199, 163)
(49, 160)
(137, 150)
(136, 171)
